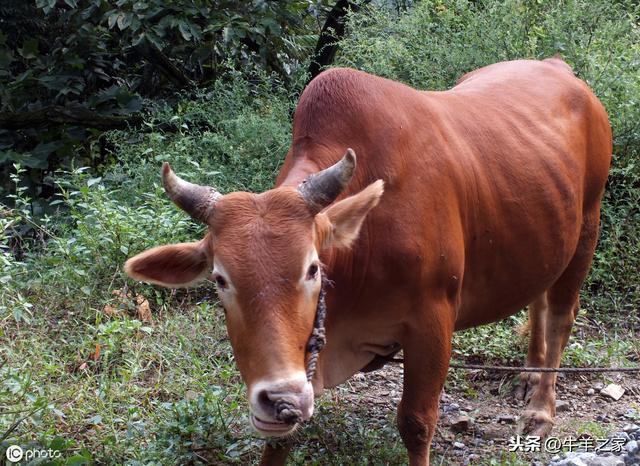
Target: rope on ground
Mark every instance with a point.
(543, 369)
(483, 367)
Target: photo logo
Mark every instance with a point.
(14, 453)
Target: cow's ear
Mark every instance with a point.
(340, 223)
(173, 266)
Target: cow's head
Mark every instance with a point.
(262, 252)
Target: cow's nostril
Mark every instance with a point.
(264, 400)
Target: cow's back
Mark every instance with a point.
(485, 188)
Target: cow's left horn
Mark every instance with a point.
(321, 189)
(194, 199)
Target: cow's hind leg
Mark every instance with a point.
(427, 349)
(563, 304)
(537, 347)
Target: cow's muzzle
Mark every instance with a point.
(277, 407)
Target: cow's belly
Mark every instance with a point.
(510, 269)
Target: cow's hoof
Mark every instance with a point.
(528, 383)
(535, 423)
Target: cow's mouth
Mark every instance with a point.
(271, 428)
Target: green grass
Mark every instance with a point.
(167, 391)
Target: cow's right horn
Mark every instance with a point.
(321, 189)
(194, 199)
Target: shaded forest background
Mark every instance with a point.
(95, 94)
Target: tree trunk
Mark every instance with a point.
(332, 32)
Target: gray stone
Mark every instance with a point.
(471, 459)
(576, 459)
(572, 462)
(623, 435)
(631, 428)
(591, 392)
(507, 418)
(451, 407)
(459, 445)
(613, 391)
(461, 423)
(562, 406)
(606, 461)
(633, 447)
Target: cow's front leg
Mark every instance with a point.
(275, 452)
(427, 349)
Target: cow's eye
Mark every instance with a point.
(312, 272)
(221, 282)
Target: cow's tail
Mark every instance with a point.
(524, 329)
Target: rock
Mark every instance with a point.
(606, 461)
(572, 462)
(598, 386)
(471, 459)
(622, 435)
(507, 418)
(461, 424)
(459, 445)
(613, 391)
(591, 392)
(492, 432)
(451, 407)
(562, 406)
(633, 447)
(587, 459)
(628, 428)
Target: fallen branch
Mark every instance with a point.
(156, 57)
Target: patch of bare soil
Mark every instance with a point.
(492, 411)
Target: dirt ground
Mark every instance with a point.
(493, 409)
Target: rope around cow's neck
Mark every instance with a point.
(317, 339)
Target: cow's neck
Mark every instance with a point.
(345, 268)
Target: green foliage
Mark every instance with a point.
(82, 66)
(438, 41)
(233, 137)
(194, 430)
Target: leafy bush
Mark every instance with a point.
(437, 41)
(233, 137)
(70, 69)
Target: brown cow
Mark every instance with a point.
(491, 203)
